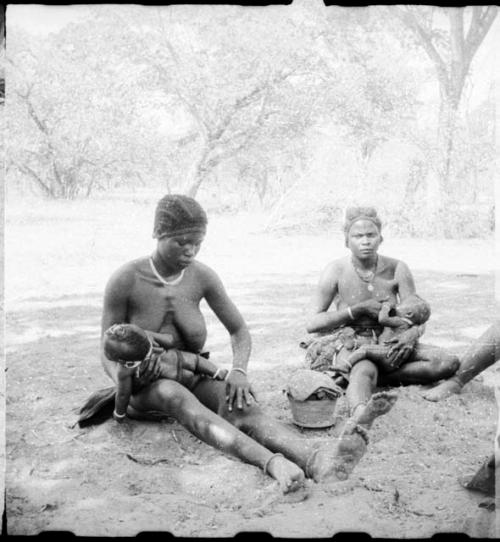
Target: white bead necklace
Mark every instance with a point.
(161, 279)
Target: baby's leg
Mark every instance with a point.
(174, 364)
(358, 354)
(187, 361)
(170, 364)
(204, 366)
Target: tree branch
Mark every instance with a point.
(474, 23)
(248, 99)
(410, 20)
(26, 169)
(202, 126)
(480, 24)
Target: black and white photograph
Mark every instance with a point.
(250, 269)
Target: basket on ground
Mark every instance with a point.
(312, 396)
(313, 413)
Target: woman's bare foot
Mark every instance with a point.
(289, 476)
(442, 391)
(378, 404)
(340, 457)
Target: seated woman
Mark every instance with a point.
(223, 414)
(357, 285)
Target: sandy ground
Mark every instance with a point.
(144, 476)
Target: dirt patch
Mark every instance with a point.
(143, 476)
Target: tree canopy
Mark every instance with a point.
(192, 98)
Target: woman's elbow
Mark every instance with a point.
(240, 332)
(311, 324)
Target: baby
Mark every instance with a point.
(413, 311)
(130, 346)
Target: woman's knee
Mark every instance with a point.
(364, 369)
(182, 405)
(169, 395)
(444, 366)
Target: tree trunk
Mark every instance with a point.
(448, 113)
(202, 170)
(199, 177)
(451, 92)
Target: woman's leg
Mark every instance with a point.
(178, 402)
(365, 406)
(482, 353)
(427, 364)
(320, 459)
(269, 432)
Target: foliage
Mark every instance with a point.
(57, 107)
(450, 222)
(294, 110)
(451, 38)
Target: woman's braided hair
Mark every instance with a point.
(353, 214)
(177, 214)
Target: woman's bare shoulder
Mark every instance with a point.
(389, 263)
(126, 273)
(204, 273)
(337, 266)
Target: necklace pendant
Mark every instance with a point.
(370, 287)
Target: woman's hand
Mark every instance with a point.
(238, 388)
(402, 346)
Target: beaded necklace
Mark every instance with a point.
(366, 276)
(161, 279)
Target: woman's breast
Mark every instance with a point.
(188, 328)
(354, 290)
(150, 306)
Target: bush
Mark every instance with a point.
(450, 222)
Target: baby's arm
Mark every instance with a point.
(123, 392)
(389, 321)
(165, 340)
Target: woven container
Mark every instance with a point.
(314, 414)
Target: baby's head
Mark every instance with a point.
(415, 309)
(126, 343)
